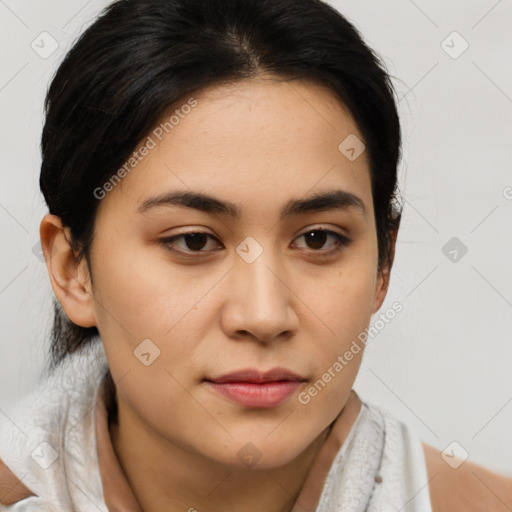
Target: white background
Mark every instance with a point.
(444, 364)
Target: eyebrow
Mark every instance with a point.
(324, 201)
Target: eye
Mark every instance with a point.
(194, 242)
(316, 239)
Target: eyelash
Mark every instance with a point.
(341, 242)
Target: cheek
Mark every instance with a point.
(140, 294)
(343, 309)
(343, 300)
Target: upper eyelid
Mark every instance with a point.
(198, 231)
(306, 230)
(340, 237)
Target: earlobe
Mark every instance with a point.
(385, 275)
(381, 289)
(69, 278)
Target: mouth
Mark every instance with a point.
(257, 389)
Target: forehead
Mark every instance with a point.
(255, 142)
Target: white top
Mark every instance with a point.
(49, 442)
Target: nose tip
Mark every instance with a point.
(261, 306)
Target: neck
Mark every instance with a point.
(165, 477)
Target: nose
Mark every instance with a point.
(261, 304)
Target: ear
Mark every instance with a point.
(385, 273)
(70, 280)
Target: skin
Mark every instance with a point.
(257, 144)
(470, 487)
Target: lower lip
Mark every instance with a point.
(269, 394)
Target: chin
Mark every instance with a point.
(258, 453)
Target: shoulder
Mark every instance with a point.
(469, 487)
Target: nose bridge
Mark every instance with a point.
(262, 299)
(257, 266)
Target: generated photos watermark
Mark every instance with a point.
(342, 360)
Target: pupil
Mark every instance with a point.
(317, 238)
(195, 241)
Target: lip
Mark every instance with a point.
(257, 376)
(257, 389)
(262, 395)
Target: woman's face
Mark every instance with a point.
(257, 290)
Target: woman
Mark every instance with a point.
(221, 180)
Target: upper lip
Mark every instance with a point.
(253, 375)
